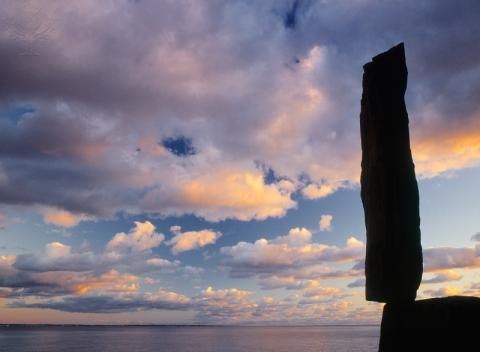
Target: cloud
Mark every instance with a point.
(60, 283)
(131, 253)
(62, 270)
(63, 279)
(227, 305)
(314, 191)
(232, 305)
(235, 194)
(62, 218)
(325, 223)
(140, 239)
(296, 236)
(238, 83)
(189, 240)
(286, 252)
(459, 149)
(357, 283)
(299, 278)
(293, 261)
(56, 257)
(53, 277)
(450, 258)
(476, 237)
(161, 299)
(113, 292)
(442, 292)
(315, 291)
(193, 271)
(212, 306)
(443, 276)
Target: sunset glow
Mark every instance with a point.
(198, 162)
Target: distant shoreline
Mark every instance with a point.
(3, 325)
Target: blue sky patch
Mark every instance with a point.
(15, 112)
(290, 20)
(180, 146)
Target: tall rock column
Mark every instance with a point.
(393, 265)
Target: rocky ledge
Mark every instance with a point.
(436, 324)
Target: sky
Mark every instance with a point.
(198, 162)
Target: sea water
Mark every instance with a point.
(188, 338)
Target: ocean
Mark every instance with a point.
(188, 339)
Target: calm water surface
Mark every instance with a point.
(189, 339)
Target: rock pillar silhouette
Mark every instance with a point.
(393, 265)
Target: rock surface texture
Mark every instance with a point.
(393, 265)
(437, 324)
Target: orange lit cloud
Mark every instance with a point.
(442, 276)
(314, 191)
(242, 195)
(62, 217)
(111, 281)
(186, 241)
(447, 150)
(442, 292)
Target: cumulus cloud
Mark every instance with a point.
(63, 270)
(71, 280)
(186, 241)
(293, 250)
(314, 291)
(58, 286)
(230, 304)
(140, 239)
(219, 194)
(325, 223)
(296, 236)
(294, 262)
(314, 191)
(56, 257)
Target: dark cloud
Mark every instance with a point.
(476, 237)
(76, 262)
(357, 283)
(104, 304)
